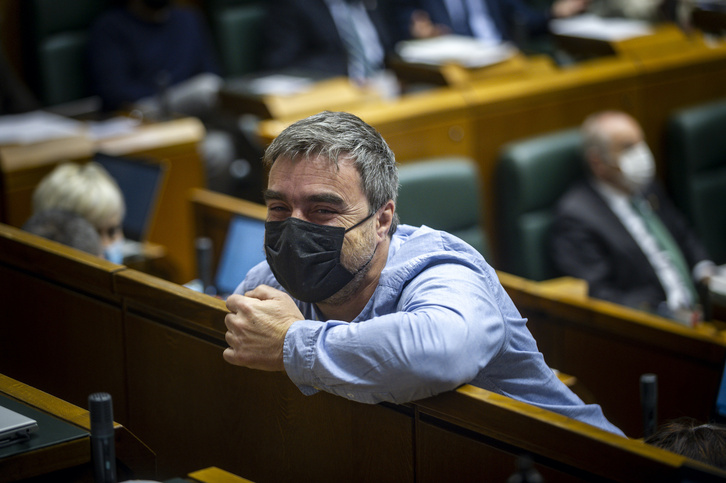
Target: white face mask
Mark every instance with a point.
(114, 252)
(637, 166)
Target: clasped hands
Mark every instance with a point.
(256, 328)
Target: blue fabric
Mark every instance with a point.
(127, 54)
(438, 319)
(301, 35)
(503, 14)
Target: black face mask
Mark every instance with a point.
(305, 257)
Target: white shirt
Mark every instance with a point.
(677, 295)
(476, 14)
(344, 14)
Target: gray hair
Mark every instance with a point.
(65, 227)
(336, 135)
(85, 189)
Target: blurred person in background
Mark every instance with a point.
(89, 191)
(67, 228)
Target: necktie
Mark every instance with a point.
(666, 242)
(359, 66)
(481, 23)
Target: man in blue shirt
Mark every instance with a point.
(350, 303)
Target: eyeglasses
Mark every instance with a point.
(110, 232)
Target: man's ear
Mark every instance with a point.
(595, 161)
(385, 218)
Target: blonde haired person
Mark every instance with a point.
(89, 191)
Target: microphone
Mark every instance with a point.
(103, 450)
(649, 402)
(203, 245)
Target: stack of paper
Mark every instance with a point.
(466, 51)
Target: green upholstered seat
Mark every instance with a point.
(530, 177)
(237, 29)
(443, 193)
(55, 39)
(696, 171)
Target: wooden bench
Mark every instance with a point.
(195, 410)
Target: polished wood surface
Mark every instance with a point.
(608, 346)
(216, 475)
(69, 461)
(337, 93)
(196, 411)
(36, 276)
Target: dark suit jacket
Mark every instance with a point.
(301, 34)
(588, 241)
(506, 16)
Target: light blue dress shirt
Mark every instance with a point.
(438, 319)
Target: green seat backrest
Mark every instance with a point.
(529, 179)
(237, 28)
(63, 69)
(696, 160)
(55, 38)
(443, 193)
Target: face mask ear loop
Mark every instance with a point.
(361, 222)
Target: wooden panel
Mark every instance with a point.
(69, 344)
(57, 262)
(446, 453)
(582, 451)
(195, 410)
(414, 126)
(176, 370)
(607, 347)
(42, 286)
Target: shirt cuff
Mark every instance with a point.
(298, 354)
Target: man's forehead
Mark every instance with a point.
(318, 160)
(621, 126)
(314, 174)
(344, 168)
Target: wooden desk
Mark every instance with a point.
(456, 75)
(666, 36)
(337, 94)
(214, 475)
(175, 142)
(608, 346)
(197, 411)
(69, 460)
(477, 118)
(34, 272)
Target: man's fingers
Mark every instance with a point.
(264, 292)
(233, 302)
(229, 356)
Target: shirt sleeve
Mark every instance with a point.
(445, 327)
